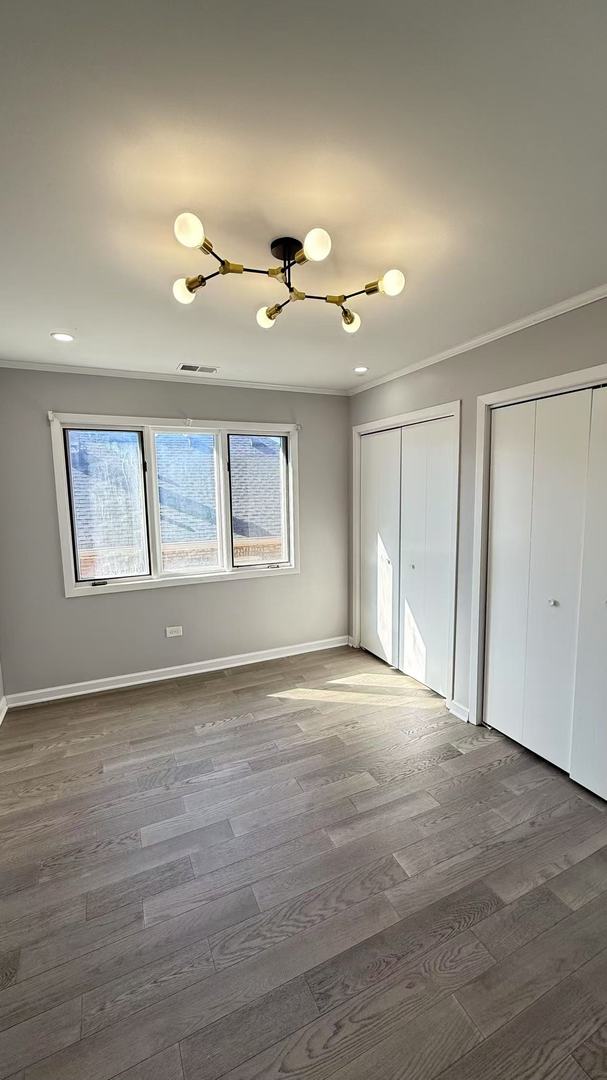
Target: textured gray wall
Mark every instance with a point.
(568, 343)
(48, 640)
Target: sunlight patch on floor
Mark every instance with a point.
(402, 681)
(347, 697)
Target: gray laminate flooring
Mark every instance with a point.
(304, 868)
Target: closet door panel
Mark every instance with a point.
(589, 742)
(509, 550)
(559, 483)
(414, 645)
(380, 541)
(429, 463)
(441, 478)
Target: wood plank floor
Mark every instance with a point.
(304, 868)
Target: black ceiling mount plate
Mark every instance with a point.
(284, 248)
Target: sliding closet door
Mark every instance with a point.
(589, 744)
(429, 491)
(379, 542)
(509, 548)
(559, 485)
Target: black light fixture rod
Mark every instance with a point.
(361, 292)
(215, 273)
(312, 296)
(253, 270)
(216, 256)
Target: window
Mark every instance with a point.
(149, 503)
(107, 501)
(258, 497)
(187, 497)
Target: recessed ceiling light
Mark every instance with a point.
(61, 335)
(361, 370)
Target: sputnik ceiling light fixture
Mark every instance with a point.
(289, 252)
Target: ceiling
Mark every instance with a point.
(462, 142)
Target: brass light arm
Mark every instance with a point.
(228, 267)
(340, 298)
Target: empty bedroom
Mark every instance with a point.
(303, 540)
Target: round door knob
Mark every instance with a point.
(553, 603)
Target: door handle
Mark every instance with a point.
(554, 603)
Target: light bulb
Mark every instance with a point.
(61, 335)
(392, 283)
(352, 326)
(317, 245)
(189, 230)
(263, 320)
(361, 370)
(182, 293)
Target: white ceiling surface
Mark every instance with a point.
(463, 142)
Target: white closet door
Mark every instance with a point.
(414, 637)
(509, 548)
(589, 743)
(379, 542)
(441, 498)
(429, 492)
(559, 483)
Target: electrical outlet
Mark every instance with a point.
(173, 631)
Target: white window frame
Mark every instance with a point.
(148, 426)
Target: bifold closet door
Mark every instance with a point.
(589, 743)
(562, 429)
(379, 542)
(537, 499)
(508, 553)
(428, 501)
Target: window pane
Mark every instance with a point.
(187, 493)
(258, 486)
(108, 504)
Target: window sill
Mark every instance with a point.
(260, 572)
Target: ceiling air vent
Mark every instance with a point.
(197, 369)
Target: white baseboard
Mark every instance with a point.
(461, 711)
(3, 708)
(138, 678)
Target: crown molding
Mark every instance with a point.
(573, 302)
(563, 306)
(165, 376)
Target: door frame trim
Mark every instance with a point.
(585, 379)
(418, 416)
